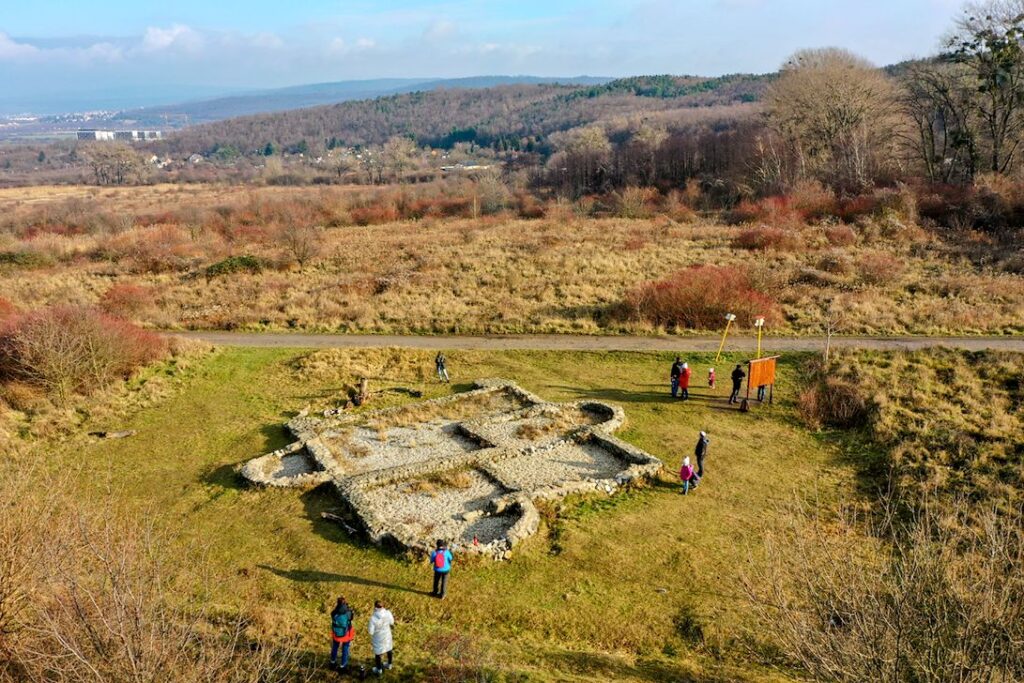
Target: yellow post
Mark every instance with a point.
(759, 324)
(728, 322)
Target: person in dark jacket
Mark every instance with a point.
(441, 363)
(441, 560)
(701, 452)
(342, 631)
(677, 369)
(737, 382)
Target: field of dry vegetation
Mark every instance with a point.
(473, 258)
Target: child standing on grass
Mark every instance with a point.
(381, 622)
(441, 560)
(342, 632)
(684, 381)
(688, 476)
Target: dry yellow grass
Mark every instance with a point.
(497, 274)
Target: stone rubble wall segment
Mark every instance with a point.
(516, 503)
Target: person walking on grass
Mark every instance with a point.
(737, 382)
(381, 622)
(677, 370)
(441, 363)
(701, 452)
(342, 632)
(684, 381)
(688, 476)
(441, 559)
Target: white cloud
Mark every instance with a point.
(177, 37)
(12, 50)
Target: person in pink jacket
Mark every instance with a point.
(688, 476)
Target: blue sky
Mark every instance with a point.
(201, 46)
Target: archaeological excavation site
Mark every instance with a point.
(465, 468)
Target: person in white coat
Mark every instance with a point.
(381, 622)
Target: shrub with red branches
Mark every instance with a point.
(73, 349)
(765, 238)
(7, 309)
(699, 298)
(128, 301)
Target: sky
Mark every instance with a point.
(57, 50)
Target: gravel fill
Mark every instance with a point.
(401, 446)
(438, 514)
(295, 464)
(565, 463)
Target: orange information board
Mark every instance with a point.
(762, 372)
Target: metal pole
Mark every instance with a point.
(724, 335)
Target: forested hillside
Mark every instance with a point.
(507, 117)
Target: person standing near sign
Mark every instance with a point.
(684, 381)
(737, 383)
(673, 376)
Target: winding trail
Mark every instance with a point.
(559, 342)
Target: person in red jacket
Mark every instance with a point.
(684, 381)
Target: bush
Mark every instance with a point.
(833, 402)
(840, 236)
(765, 238)
(7, 309)
(375, 214)
(880, 269)
(234, 264)
(69, 349)
(699, 298)
(128, 301)
(25, 258)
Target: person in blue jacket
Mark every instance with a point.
(441, 559)
(342, 632)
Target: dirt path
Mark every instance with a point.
(554, 342)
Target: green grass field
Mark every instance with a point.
(644, 586)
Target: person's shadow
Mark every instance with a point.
(314, 576)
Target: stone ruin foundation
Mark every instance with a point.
(466, 468)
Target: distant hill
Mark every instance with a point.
(303, 96)
(507, 115)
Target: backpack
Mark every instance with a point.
(341, 623)
(439, 559)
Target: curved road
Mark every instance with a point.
(559, 342)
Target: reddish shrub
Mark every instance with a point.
(73, 349)
(374, 214)
(699, 298)
(813, 202)
(7, 309)
(128, 301)
(528, 207)
(747, 212)
(765, 238)
(840, 236)
(849, 210)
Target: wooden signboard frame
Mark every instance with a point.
(761, 374)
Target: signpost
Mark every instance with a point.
(761, 376)
(729, 318)
(759, 324)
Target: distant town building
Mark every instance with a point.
(128, 135)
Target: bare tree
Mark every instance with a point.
(114, 163)
(938, 99)
(839, 115)
(989, 41)
(300, 240)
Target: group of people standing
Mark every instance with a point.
(681, 374)
(381, 622)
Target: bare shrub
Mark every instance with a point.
(71, 349)
(766, 238)
(128, 301)
(939, 598)
(636, 202)
(840, 236)
(880, 269)
(299, 241)
(699, 298)
(7, 309)
(833, 402)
